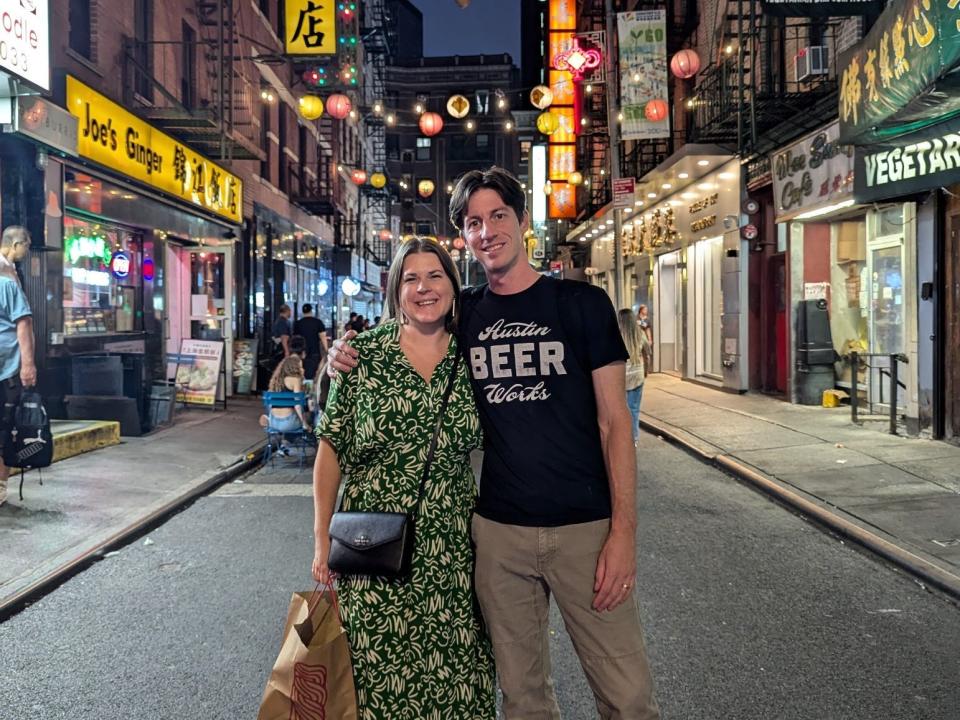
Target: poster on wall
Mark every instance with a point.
(643, 74)
(198, 372)
(244, 365)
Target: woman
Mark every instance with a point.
(637, 345)
(418, 647)
(288, 377)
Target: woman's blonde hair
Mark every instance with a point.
(412, 247)
(291, 366)
(627, 320)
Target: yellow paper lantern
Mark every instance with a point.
(541, 97)
(378, 180)
(425, 188)
(311, 107)
(547, 187)
(575, 178)
(458, 106)
(548, 123)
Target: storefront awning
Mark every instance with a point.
(678, 173)
(902, 81)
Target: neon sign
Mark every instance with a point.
(120, 264)
(83, 246)
(577, 60)
(147, 269)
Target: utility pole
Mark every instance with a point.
(613, 127)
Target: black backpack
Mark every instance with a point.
(31, 439)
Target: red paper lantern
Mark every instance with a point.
(685, 64)
(339, 106)
(431, 123)
(656, 110)
(359, 177)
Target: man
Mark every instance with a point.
(281, 334)
(17, 368)
(314, 333)
(13, 249)
(556, 513)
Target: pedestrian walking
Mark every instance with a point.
(551, 519)
(418, 646)
(281, 333)
(314, 333)
(17, 367)
(635, 340)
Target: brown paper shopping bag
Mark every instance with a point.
(312, 678)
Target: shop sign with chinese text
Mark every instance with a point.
(25, 40)
(820, 8)
(561, 146)
(893, 82)
(310, 27)
(884, 172)
(812, 173)
(121, 141)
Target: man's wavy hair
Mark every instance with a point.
(497, 179)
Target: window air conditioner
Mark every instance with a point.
(811, 61)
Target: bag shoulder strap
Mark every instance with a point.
(436, 430)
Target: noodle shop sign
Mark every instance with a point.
(121, 141)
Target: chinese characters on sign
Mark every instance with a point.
(198, 372)
(119, 140)
(310, 27)
(643, 72)
(814, 172)
(888, 81)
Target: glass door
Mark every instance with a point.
(668, 326)
(200, 300)
(886, 301)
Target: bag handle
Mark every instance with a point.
(436, 431)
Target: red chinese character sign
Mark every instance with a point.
(643, 74)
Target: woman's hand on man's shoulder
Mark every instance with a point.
(343, 357)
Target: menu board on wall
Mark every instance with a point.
(199, 371)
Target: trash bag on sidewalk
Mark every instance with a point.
(312, 678)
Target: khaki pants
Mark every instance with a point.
(518, 568)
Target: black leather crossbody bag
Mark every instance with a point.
(380, 544)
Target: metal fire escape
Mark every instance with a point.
(376, 44)
(753, 95)
(212, 112)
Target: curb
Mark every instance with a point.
(18, 601)
(904, 559)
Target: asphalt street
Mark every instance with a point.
(750, 613)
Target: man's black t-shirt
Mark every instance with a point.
(531, 356)
(310, 328)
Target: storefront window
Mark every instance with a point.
(207, 295)
(101, 278)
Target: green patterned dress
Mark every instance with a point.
(419, 649)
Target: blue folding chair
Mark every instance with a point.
(299, 438)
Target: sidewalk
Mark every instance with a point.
(92, 501)
(900, 497)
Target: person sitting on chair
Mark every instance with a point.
(288, 377)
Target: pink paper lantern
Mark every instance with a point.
(431, 123)
(685, 64)
(339, 106)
